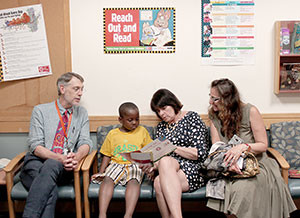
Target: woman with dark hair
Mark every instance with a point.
(244, 197)
(178, 172)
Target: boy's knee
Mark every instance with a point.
(133, 182)
(107, 180)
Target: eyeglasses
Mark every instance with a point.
(77, 89)
(213, 98)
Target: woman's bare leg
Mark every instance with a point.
(161, 201)
(172, 182)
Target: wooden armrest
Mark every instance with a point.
(12, 167)
(279, 158)
(89, 161)
(15, 163)
(284, 165)
(79, 165)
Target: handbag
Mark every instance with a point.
(250, 165)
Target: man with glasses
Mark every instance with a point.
(59, 137)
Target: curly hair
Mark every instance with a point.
(230, 112)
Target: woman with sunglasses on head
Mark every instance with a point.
(265, 195)
(180, 171)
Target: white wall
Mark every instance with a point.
(114, 78)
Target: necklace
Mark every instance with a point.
(172, 126)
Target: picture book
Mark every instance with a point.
(152, 152)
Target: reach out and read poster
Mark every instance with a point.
(139, 30)
(228, 32)
(23, 43)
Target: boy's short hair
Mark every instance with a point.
(125, 107)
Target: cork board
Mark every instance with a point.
(19, 97)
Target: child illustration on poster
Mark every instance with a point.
(137, 30)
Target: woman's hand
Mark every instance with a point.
(149, 170)
(235, 168)
(233, 154)
(146, 168)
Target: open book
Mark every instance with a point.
(151, 152)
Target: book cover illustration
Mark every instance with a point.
(290, 76)
(284, 41)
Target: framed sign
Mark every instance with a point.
(139, 30)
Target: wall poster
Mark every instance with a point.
(139, 30)
(227, 32)
(23, 43)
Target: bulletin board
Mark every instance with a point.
(19, 97)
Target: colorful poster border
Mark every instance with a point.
(139, 30)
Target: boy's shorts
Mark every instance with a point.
(122, 173)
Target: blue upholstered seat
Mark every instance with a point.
(19, 192)
(285, 138)
(16, 191)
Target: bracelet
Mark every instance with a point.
(249, 147)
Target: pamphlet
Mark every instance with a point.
(152, 152)
(294, 173)
(3, 162)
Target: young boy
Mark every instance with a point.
(115, 168)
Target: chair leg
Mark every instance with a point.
(9, 185)
(86, 184)
(11, 209)
(77, 195)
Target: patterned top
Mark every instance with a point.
(190, 131)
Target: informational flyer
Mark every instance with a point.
(23, 43)
(139, 30)
(228, 32)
